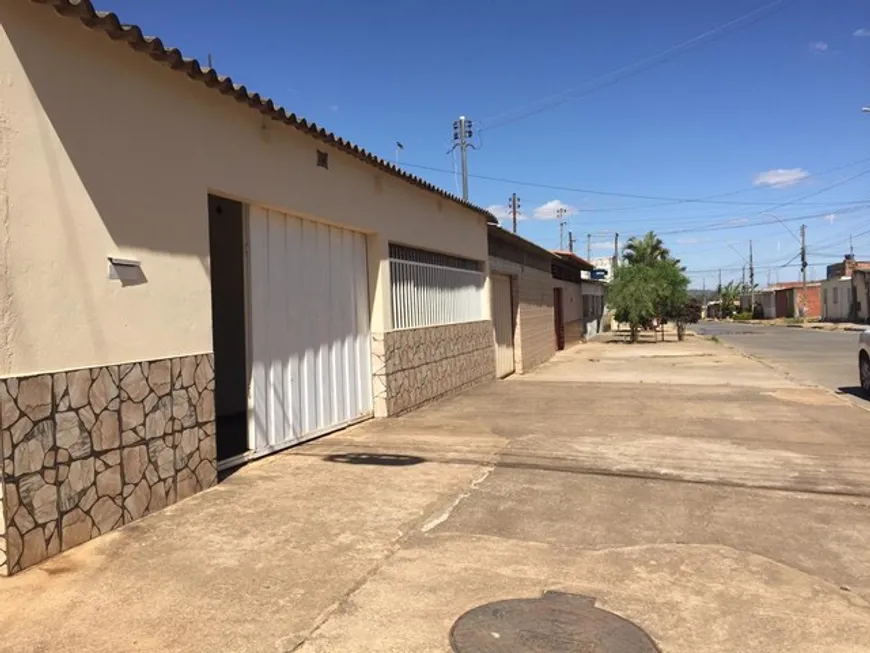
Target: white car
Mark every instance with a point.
(864, 360)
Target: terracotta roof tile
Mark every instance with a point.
(109, 23)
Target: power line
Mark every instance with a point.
(782, 205)
(613, 77)
(745, 225)
(589, 191)
(728, 193)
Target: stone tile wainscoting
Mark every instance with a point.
(413, 366)
(87, 451)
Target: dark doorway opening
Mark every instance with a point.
(226, 236)
(557, 317)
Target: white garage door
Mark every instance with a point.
(502, 324)
(309, 324)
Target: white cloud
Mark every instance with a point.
(690, 241)
(602, 244)
(819, 47)
(863, 32)
(550, 210)
(738, 221)
(333, 108)
(780, 177)
(499, 211)
(831, 217)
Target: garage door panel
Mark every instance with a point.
(502, 321)
(309, 328)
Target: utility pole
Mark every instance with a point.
(589, 247)
(804, 268)
(571, 241)
(560, 214)
(851, 248)
(743, 279)
(515, 207)
(751, 283)
(463, 130)
(615, 254)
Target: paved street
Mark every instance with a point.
(826, 358)
(718, 505)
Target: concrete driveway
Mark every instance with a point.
(716, 504)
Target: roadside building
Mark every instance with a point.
(569, 272)
(845, 267)
(536, 298)
(765, 303)
(837, 299)
(789, 299)
(192, 277)
(846, 291)
(594, 317)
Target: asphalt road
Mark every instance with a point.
(825, 358)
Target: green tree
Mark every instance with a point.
(672, 290)
(690, 313)
(646, 250)
(632, 296)
(729, 298)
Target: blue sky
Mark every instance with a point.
(771, 109)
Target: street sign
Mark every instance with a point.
(599, 273)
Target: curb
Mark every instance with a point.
(791, 377)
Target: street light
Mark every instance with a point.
(787, 228)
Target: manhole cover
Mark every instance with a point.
(554, 623)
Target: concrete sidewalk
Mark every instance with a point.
(691, 490)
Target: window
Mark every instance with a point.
(427, 288)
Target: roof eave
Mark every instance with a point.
(110, 24)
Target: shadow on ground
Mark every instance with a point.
(853, 391)
(380, 459)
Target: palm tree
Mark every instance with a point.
(647, 250)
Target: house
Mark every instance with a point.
(595, 322)
(573, 308)
(846, 292)
(837, 301)
(790, 302)
(536, 301)
(845, 267)
(192, 277)
(765, 303)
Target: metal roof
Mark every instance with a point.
(109, 23)
(585, 265)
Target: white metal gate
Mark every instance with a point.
(309, 329)
(503, 327)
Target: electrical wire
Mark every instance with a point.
(616, 76)
(588, 191)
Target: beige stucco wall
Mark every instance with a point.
(104, 152)
(572, 310)
(535, 334)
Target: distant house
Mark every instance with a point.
(537, 301)
(846, 291)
